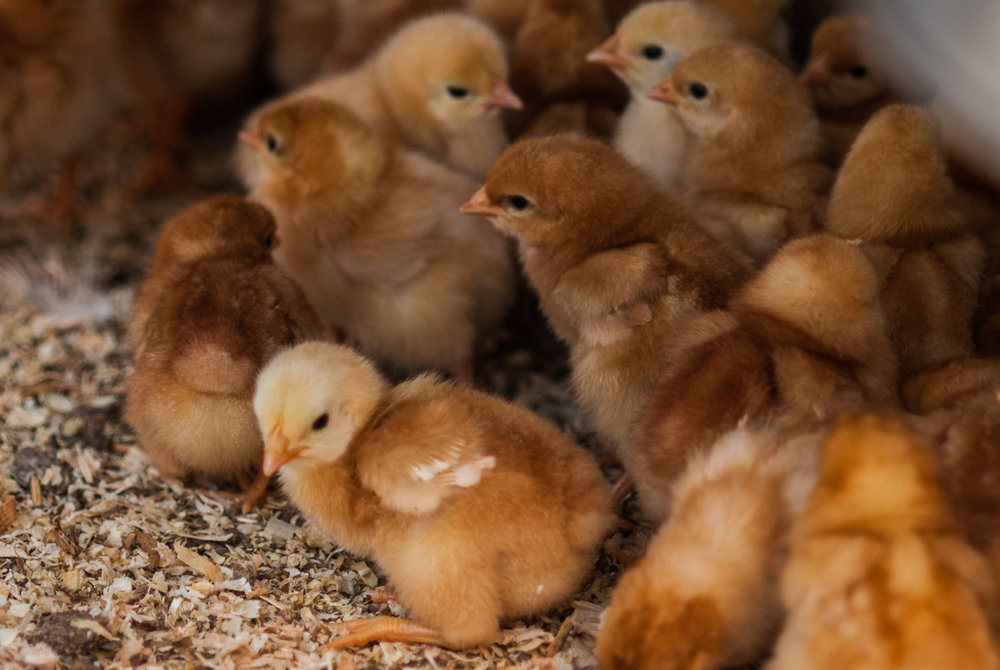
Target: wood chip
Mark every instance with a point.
(8, 512)
(194, 560)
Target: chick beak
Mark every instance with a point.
(815, 74)
(665, 91)
(609, 55)
(501, 95)
(251, 138)
(480, 203)
(278, 451)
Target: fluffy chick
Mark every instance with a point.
(879, 574)
(56, 86)
(299, 35)
(213, 309)
(373, 234)
(761, 21)
(893, 193)
(781, 353)
(753, 166)
(646, 46)
(617, 265)
(551, 75)
(476, 510)
(436, 86)
(705, 595)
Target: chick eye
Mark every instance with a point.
(457, 92)
(858, 72)
(516, 203)
(321, 421)
(698, 91)
(269, 240)
(271, 142)
(652, 52)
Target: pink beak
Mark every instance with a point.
(501, 95)
(665, 91)
(816, 73)
(609, 55)
(480, 203)
(277, 452)
(250, 138)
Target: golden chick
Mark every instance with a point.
(436, 86)
(476, 510)
(57, 87)
(373, 234)
(705, 595)
(213, 309)
(781, 353)
(753, 165)
(894, 194)
(647, 45)
(880, 575)
(617, 264)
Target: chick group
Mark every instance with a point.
(776, 282)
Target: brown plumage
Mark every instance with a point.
(213, 309)
(299, 38)
(753, 166)
(705, 595)
(476, 510)
(617, 265)
(761, 21)
(801, 341)
(893, 193)
(373, 234)
(880, 575)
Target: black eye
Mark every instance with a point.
(321, 421)
(271, 142)
(652, 52)
(858, 72)
(457, 92)
(698, 91)
(269, 240)
(516, 203)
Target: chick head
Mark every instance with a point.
(841, 70)
(655, 36)
(449, 69)
(221, 224)
(310, 401)
(549, 190)
(313, 148)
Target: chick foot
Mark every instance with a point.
(254, 492)
(386, 629)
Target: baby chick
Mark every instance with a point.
(299, 37)
(780, 353)
(761, 21)
(56, 87)
(212, 311)
(893, 193)
(617, 264)
(880, 575)
(476, 510)
(705, 595)
(753, 165)
(647, 45)
(437, 86)
(373, 234)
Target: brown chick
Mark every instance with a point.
(56, 87)
(646, 46)
(436, 86)
(373, 234)
(761, 21)
(893, 193)
(476, 510)
(753, 166)
(705, 595)
(299, 36)
(212, 311)
(879, 574)
(617, 264)
(986, 320)
(800, 342)
(560, 89)
(504, 15)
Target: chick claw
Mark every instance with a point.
(254, 492)
(385, 629)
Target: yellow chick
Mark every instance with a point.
(646, 46)
(894, 194)
(753, 167)
(213, 309)
(436, 86)
(57, 87)
(705, 595)
(880, 575)
(373, 234)
(476, 510)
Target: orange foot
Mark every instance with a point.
(254, 492)
(385, 629)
